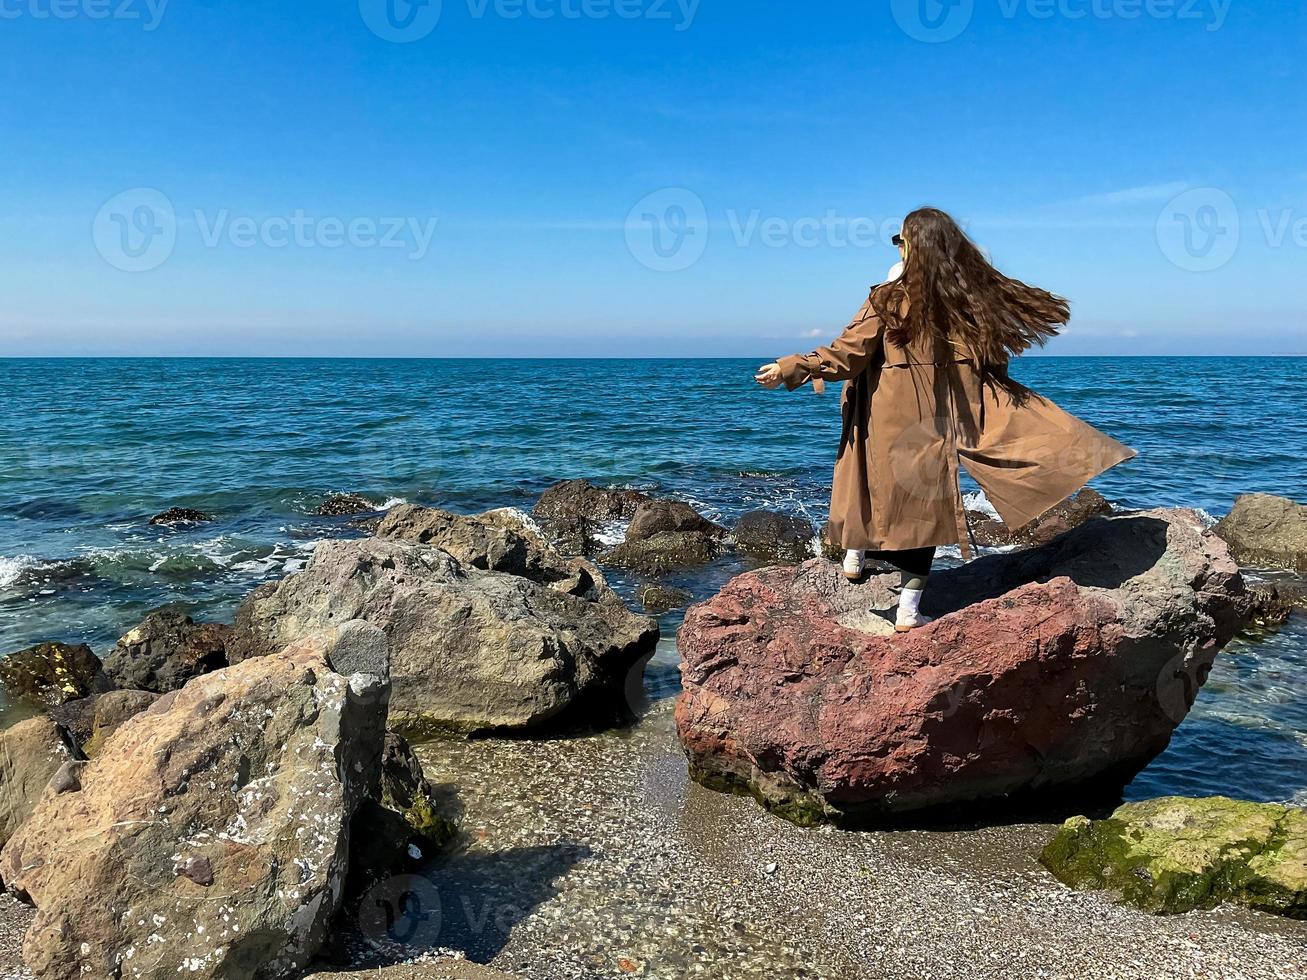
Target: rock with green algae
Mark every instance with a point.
(1176, 854)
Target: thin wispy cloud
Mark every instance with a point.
(1145, 194)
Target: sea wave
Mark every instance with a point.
(977, 501)
(12, 569)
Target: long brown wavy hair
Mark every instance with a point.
(951, 293)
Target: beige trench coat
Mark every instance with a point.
(910, 415)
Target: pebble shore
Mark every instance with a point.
(595, 857)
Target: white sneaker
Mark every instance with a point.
(906, 621)
(854, 563)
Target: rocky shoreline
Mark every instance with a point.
(578, 831)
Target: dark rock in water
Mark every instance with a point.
(1265, 531)
(1064, 666)
(255, 771)
(1072, 512)
(777, 538)
(830, 548)
(1176, 854)
(1275, 602)
(345, 505)
(661, 598)
(655, 517)
(51, 674)
(406, 790)
(474, 648)
(403, 826)
(31, 752)
(90, 721)
(664, 552)
(165, 651)
(571, 512)
(180, 515)
(580, 498)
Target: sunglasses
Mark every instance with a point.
(897, 241)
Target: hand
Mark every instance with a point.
(769, 375)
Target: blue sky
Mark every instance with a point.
(637, 177)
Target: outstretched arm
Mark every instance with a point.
(846, 358)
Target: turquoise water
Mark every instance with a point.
(90, 449)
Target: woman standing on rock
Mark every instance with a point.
(926, 360)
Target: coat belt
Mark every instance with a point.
(938, 364)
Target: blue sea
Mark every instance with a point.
(90, 449)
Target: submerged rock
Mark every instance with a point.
(51, 674)
(777, 538)
(1176, 854)
(180, 515)
(31, 752)
(1065, 666)
(403, 826)
(422, 969)
(658, 599)
(1265, 531)
(345, 505)
(1072, 512)
(209, 838)
(473, 648)
(165, 651)
(664, 552)
(1275, 602)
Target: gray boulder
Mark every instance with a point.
(489, 640)
(210, 838)
(1265, 531)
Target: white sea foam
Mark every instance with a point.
(977, 501)
(11, 568)
(611, 533)
(391, 502)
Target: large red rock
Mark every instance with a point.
(1067, 665)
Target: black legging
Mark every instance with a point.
(914, 564)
